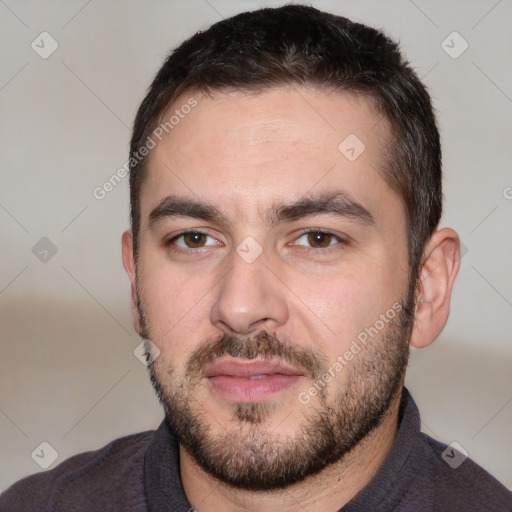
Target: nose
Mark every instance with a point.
(248, 298)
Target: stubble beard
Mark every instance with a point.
(247, 454)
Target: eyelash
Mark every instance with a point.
(169, 242)
(340, 241)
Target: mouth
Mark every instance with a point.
(238, 380)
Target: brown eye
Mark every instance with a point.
(194, 239)
(319, 239)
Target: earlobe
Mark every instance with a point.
(440, 266)
(131, 269)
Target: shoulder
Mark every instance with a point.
(114, 473)
(458, 483)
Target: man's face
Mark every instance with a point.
(280, 314)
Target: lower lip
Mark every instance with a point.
(242, 389)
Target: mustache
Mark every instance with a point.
(261, 345)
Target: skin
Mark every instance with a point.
(243, 153)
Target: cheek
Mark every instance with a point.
(336, 308)
(175, 306)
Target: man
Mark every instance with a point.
(284, 254)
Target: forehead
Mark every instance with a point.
(245, 151)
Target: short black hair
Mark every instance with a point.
(299, 45)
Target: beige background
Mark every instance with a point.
(68, 375)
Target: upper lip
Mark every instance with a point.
(249, 368)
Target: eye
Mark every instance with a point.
(192, 240)
(318, 239)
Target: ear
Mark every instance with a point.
(131, 269)
(441, 261)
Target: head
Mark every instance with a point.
(285, 192)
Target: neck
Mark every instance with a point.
(327, 491)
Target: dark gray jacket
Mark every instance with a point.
(140, 473)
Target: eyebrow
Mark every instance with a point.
(338, 203)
